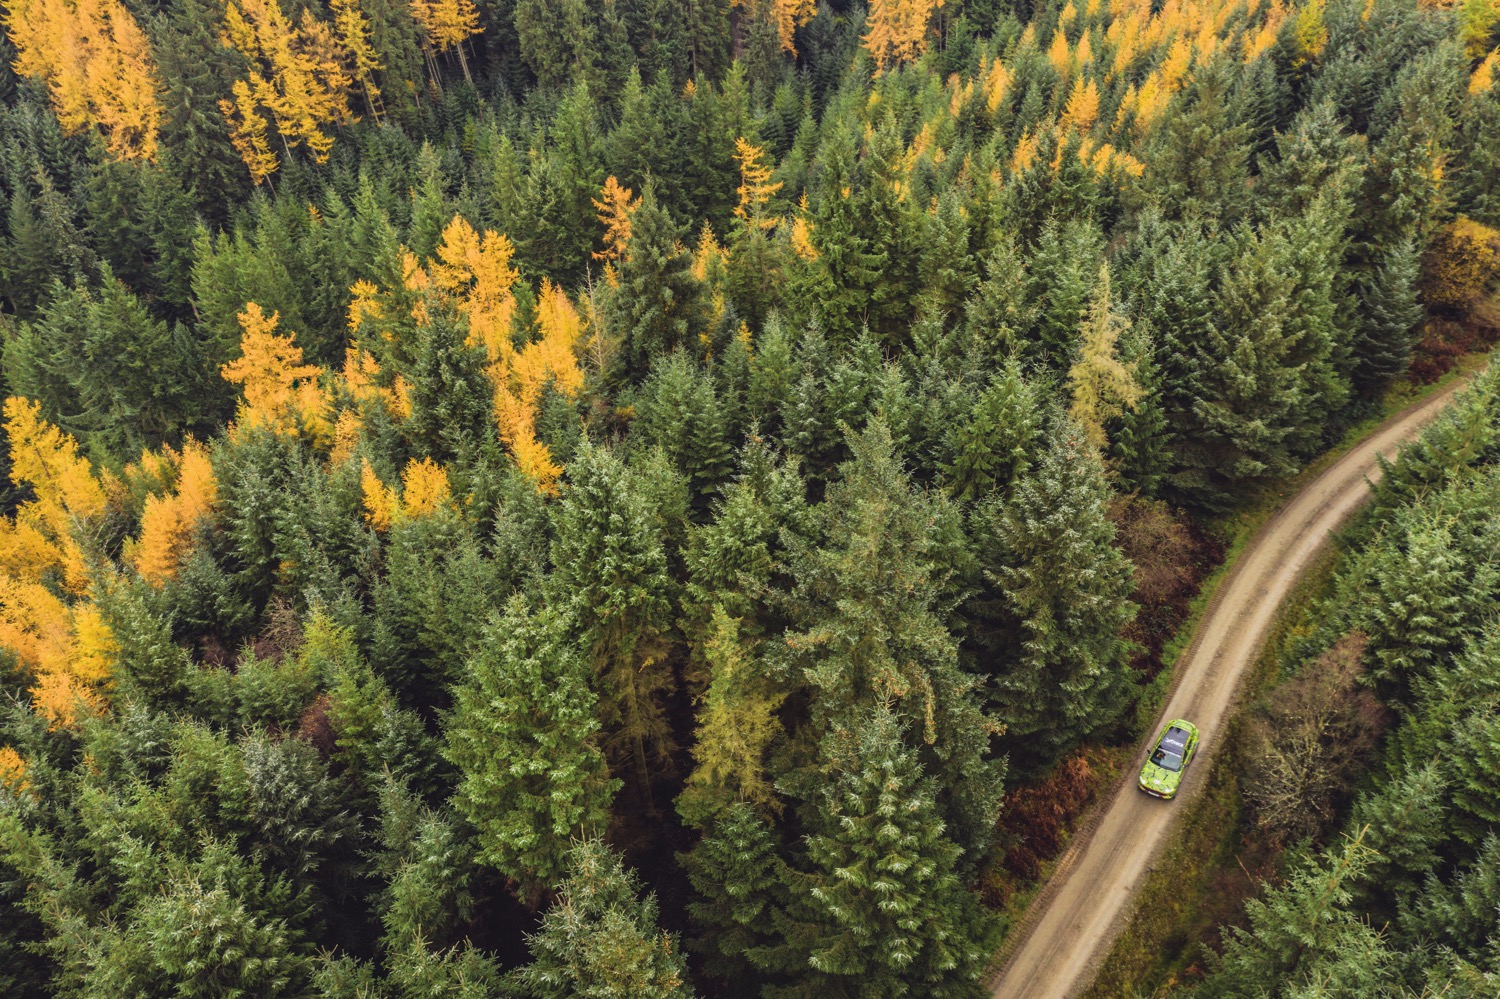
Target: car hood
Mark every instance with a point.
(1158, 778)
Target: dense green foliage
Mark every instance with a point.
(610, 521)
(1416, 852)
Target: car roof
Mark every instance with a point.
(1175, 739)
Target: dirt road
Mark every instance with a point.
(1078, 915)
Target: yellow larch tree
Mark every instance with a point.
(424, 491)
(755, 190)
(1101, 385)
(278, 391)
(1083, 106)
(1059, 55)
(1484, 74)
(1478, 21)
(789, 15)
(474, 271)
(66, 493)
(354, 35)
(896, 30)
(12, 769)
(168, 519)
(67, 648)
(297, 73)
(247, 133)
(614, 206)
(553, 357)
(97, 64)
(447, 24)
(1309, 32)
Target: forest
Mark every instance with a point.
(643, 498)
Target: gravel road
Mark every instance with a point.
(1071, 926)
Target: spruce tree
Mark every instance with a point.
(522, 735)
(741, 884)
(601, 940)
(1062, 672)
(657, 304)
(1390, 316)
(883, 912)
(612, 569)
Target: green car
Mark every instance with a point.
(1162, 773)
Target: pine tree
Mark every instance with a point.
(1067, 590)
(657, 304)
(1390, 317)
(884, 913)
(522, 735)
(741, 883)
(611, 566)
(600, 940)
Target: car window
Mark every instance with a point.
(1166, 760)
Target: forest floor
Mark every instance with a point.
(1095, 884)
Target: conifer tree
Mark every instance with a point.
(611, 566)
(601, 940)
(1301, 929)
(995, 443)
(884, 912)
(1102, 387)
(896, 30)
(1417, 609)
(1067, 590)
(657, 303)
(522, 735)
(742, 885)
(1390, 316)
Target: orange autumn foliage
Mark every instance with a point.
(897, 30)
(39, 539)
(424, 491)
(614, 205)
(97, 64)
(168, 519)
(279, 391)
(297, 75)
(12, 769)
(69, 650)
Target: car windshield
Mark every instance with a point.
(1166, 760)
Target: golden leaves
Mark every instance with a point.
(97, 65)
(897, 30)
(424, 491)
(788, 16)
(12, 769)
(755, 190)
(168, 520)
(614, 210)
(297, 75)
(279, 391)
(446, 22)
(1484, 74)
(1083, 106)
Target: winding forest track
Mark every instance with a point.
(1073, 923)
